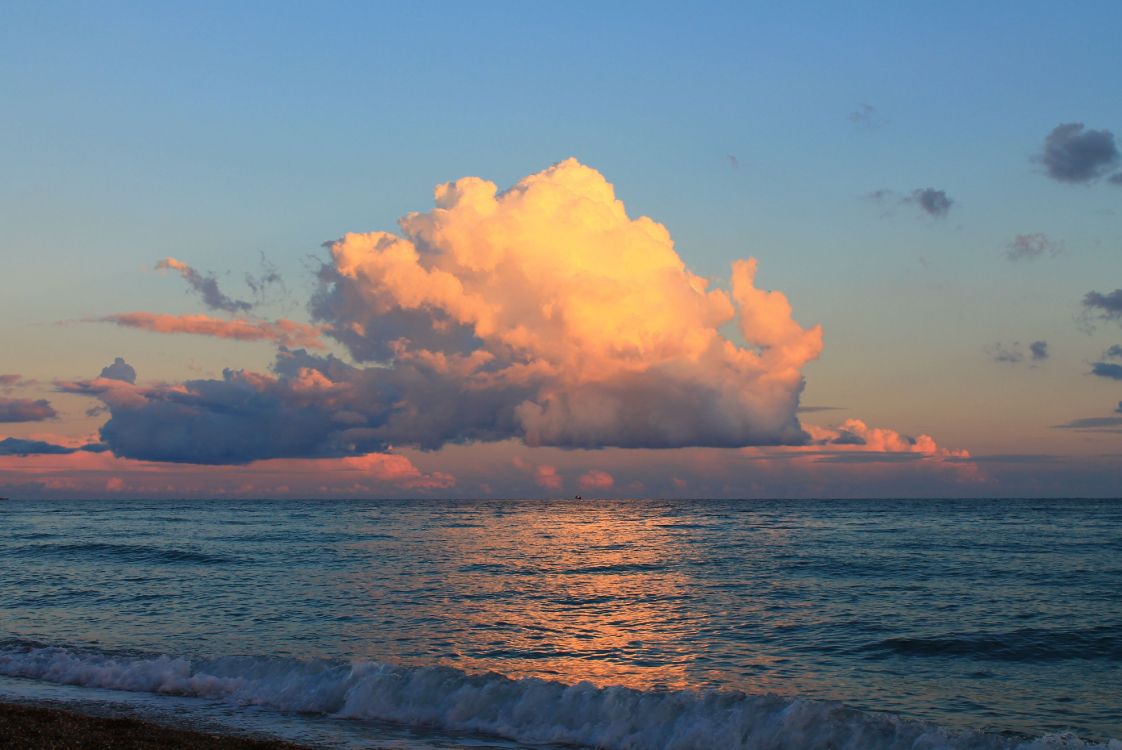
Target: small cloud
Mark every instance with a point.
(1103, 306)
(1074, 154)
(1001, 353)
(547, 477)
(25, 410)
(596, 480)
(119, 370)
(733, 161)
(1030, 246)
(811, 409)
(1107, 370)
(866, 116)
(1114, 352)
(206, 287)
(1015, 352)
(935, 203)
(19, 447)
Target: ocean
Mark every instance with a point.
(622, 625)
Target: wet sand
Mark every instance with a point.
(42, 728)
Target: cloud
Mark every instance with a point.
(119, 370)
(1113, 352)
(1091, 423)
(25, 410)
(866, 115)
(9, 380)
(1103, 306)
(282, 332)
(856, 435)
(546, 476)
(1075, 155)
(206, 287)
(596, 479)
(1008, 354)
(1030, 246)
(935, 203)
(1107, 370)
(21, 447)
(1013, 353)
(582, 326)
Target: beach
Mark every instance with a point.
(28, 727)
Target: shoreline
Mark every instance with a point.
(31, 726)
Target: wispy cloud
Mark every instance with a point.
(282, 332)
(1031, 246)
(206, 286)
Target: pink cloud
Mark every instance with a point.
(283, 332)
(596, 479)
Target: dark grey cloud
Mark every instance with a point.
(935, 203)
(19, 447)
(1106, 370)
(1030, 246)
(1103, 306)
(1090, 423)
(1115, 179)
(25, 410)
(1074, 154)
(1039, 350)
(119, 370)
(206, 287)
(1113, 352)
(1119, 409)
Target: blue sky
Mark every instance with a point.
(219, 135)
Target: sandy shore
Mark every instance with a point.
(40, 728)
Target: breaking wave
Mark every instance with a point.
(524, 710)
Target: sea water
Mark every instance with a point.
(612, 624)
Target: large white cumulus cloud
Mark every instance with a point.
(582, 324)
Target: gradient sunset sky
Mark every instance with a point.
(518, 250)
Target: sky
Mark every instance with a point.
(416, 250)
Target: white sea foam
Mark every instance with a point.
(526, 710)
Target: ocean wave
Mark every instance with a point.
(133, 553)
(524, 710)
(1026, 644)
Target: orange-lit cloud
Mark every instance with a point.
(583, 323)
(853, 435)
(282, 332)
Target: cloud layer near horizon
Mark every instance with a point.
(543, 313)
